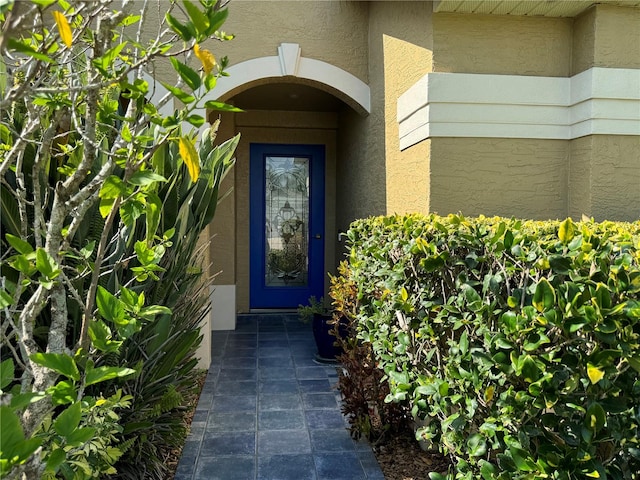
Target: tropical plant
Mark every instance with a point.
(85, 226)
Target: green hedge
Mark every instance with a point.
(516, 344)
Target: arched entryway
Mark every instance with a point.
(265, 240)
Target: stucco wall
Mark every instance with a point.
(509, 177)
(222, 231)
(406, 56)
(579, 178)
(615, 177)
(508, 45)
(281, 128)
(606, 36)
(334, 32)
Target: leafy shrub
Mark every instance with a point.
(515, 344)
(359, 378)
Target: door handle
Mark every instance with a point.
(318, 236)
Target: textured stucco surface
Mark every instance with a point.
(505, 45)
(579, 178)
(604, 177)
(407, 57)
(333, 32)
(606, 36)
(583, 41)
(615, 177)
(617, 37)
(509, 177)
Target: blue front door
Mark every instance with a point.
(286, 224)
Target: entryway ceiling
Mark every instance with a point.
(545, 8)
(287, 96)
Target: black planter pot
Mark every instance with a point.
(327, 351)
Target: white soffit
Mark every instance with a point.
(596, 101)
(545, 8)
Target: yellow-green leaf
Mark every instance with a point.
(488, 393)
(206, 58)
(63, 28)
(567, 231)
(595, 374)
(593, 474)
(190, 157)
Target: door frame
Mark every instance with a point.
(260, 295)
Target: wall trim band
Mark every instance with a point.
(597, 101)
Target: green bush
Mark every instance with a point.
(515, 343)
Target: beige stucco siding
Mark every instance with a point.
(222, 231)
(509, 177)
(507, 45)
(606, 36)
(579, 178)
(333, 32)
(406, 56)
(615, 177)
(604, 177)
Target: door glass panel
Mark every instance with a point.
(286, 221)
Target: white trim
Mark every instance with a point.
(596, 101)
(223, 314)
(289, 62)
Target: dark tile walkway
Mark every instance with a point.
(268, 411)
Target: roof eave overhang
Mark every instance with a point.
(545, 8)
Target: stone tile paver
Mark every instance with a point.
(268, 411)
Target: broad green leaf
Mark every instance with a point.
(68, 421)
(566, 231)
(477, 445)
(217, 19)
(46, 264)
(101, 374)
(109, 307)
(145, 177)
(22, 47)
(5, 299)
(55, 459)
(6, 373)
(14, 445)
(131, 210)
(19, 245)
(145, 255)
(181, 95)
(153, 310)
(596, 417)
(62, 393)
(190, 157)
(100, 335)
(544, 297)
(113, 187)
(221, 106)
(64, 29)
(81, 436)
(195, 120)
(595, 374)
(129, 20)
(183, 32)
(187, 74)
(200, 21)
(521, 459)
(58, 362)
